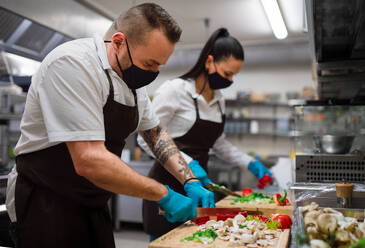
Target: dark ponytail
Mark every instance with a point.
(221, 46)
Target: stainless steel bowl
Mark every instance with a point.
(334, 144)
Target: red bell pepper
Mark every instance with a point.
(224, 216)
(246, 191)
(281, 200)
(264, 181)
(200, 220)
(284, 220)
(244, 213)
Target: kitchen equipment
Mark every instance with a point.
(333, 144)
(222, 189)
(329, 168)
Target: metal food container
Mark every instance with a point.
(334, 144)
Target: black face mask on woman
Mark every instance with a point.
(134, 76)
(216, 81)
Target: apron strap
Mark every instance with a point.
(111, 90)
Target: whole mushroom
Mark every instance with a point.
(327, 223)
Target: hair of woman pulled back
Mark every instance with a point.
(221, 46)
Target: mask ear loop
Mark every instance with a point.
(206, 79)
(129, 53)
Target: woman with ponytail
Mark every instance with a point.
(192, 108)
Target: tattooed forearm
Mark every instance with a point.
(160, 143)
(167, 153)
(185, 168)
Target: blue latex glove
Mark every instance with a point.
(199, 195)
(177, 207)
(258, 169)
(199, 172)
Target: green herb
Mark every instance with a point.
(232, 203)
(301, 238)
(201, 235)
(273, 224)
(241, 227)
(163, 238)
(257, 219)
(249, 217)
(331, 238)
(253, 197)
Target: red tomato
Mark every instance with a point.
(284, 220)
(246, 191)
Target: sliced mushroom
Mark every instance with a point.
(311, 218)
(317, 243)
(360, 230)
(310, 207)
(327, 223)
(342, 236)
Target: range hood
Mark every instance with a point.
(337, 40)
(27, 38)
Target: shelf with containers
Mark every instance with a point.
(261, 118)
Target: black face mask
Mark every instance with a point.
(216, 81)
(134, 76)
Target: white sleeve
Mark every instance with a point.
(71, 101)
(164, 104)
(149, 119)
(228, 152)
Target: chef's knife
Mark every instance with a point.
(200, 212)
(222, 189)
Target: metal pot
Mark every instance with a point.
(333, 144)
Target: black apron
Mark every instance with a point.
(55, 207)
(195, 143)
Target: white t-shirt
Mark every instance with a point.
(174, 105)
(66, 98)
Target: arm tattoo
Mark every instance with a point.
(185, 168)
(160, 143)
(164, 147)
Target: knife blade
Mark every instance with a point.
(222, 189)
(200, 212)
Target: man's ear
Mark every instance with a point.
(118, 39)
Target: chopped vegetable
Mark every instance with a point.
(281, 200)
(284, 220)
(273, 224)
(241, 227)
(244, 213)
(254, 197)
(225, 216)
(264, 181)
(205, 237)
(359, 244)
(200, 220)
(246, 191)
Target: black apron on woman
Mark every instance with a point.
(196, 144)
(55, 207)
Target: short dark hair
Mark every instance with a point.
(221, 46)
(139, 20)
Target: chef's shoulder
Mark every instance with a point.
(76, 53)
(173, 87)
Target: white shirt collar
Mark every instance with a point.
(101, 51)
(190, 88)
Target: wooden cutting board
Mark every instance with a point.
(172, 239)
(264, 209)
